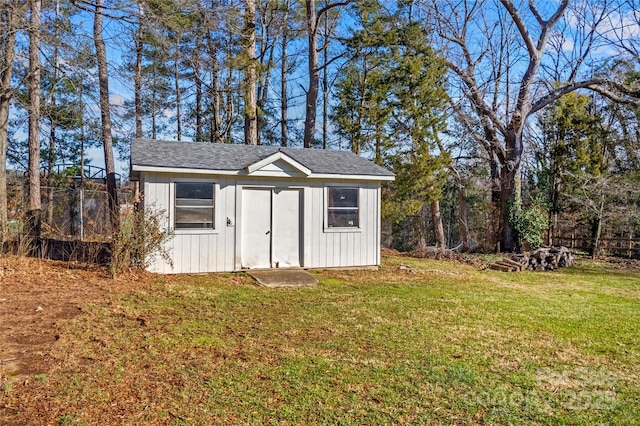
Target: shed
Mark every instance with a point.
(237, 207)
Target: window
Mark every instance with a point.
(342, 207)
(194, 205)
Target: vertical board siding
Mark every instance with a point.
(156, 198)
(193, 252)
(354, 242)
(331, 248)
(228, 243)
(217, 251)
(374, 208)
(377, 237)
(309, 238)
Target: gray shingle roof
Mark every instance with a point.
(208, 156)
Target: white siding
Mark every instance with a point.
(217, 251)
(344, 247)
(190, 251)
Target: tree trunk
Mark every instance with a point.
(250, 108)
(436, 221)
(137, 77)
(82, 138)
(216, 133)
(198, 84)
(153, 107)
(283, 83)
(462, 210)
(264, 94)
(378, 146)
(510, 189)
(8, 19)
(462, 200)
(597, 229)
(35, 202)
(225, 131)
(554, 196)
(314, 75)
(51, 157)
(178, 100)
(325, 86)
(265, 58)
(105, 114)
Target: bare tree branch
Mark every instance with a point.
(597, 85)
(536, 13)
(522, 27)
(535, 55)
(590, 38)
(487, 140)
(327, 8)
(89, 6)
(467, 77)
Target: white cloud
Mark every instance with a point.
(567, 45)
(116, 99)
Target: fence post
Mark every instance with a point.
(81, 213)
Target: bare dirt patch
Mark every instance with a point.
(35, 296)
(622, 264)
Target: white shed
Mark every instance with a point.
(238, 207)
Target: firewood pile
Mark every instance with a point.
(542, 259)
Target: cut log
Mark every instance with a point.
(499, 267)
(508, 265)
(513, 263)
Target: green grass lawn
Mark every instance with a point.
(447, 345)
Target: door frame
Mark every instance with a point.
(270, 185)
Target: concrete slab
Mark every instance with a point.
(283, 277)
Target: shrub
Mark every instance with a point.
(142, 237)
(528, 223)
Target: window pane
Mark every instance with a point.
(343, 197)
(344, 218)
(194, 202)
(194, 205)
(194, 190)
(194, 217)
(194, 226)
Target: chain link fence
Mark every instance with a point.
(69, 213)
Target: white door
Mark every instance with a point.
(271, 230)
(256, 228)
(285, 225)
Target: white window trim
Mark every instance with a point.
(216, 209)
(325, 225)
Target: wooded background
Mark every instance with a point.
(509, 124)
